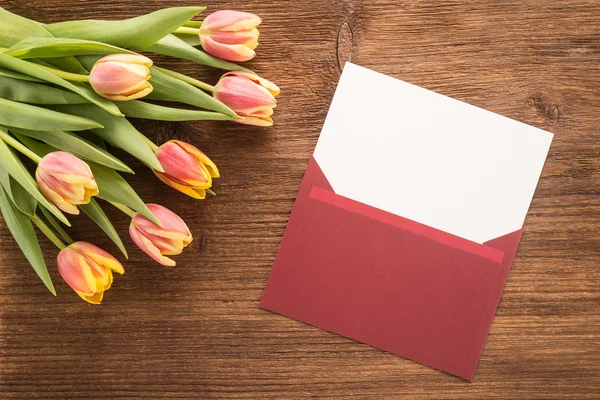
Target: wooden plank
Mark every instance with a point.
(196, 331)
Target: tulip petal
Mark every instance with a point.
(101, 275)
(200, 156)
(181, 166)
(229, 52)
(201, 193)
(230, 20)
(72, 193)
(127, 58)
(255, 121)
(172, 226)
(118, 78)
(243, 95)
(147, 227)
(267, 84)
(110, 279)
(147, 247)
(138, 95)
(57, 199)
(67, 207)
(248, 38)
(178, 186)
(133, 89)
(263, 113)
(66, 167)
(95, 298)
(89, 193)
(45, 188)
(75, 270)
(99, 256)
(166, 246)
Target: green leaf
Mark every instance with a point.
(36, 93)
(95, 212)
(18, 171)
(26, 116)
(90, 137)
(114, 188)
(68, 64)
(33, 47)
(16, 75)
(25, 202)
(15, 28)
(173, 46)
(21, 228)
(117, 131)
(71, 143)
(141, 109)
(139, 32)
(31, 69)
(56, 227)
(192, 40)
(169, 88)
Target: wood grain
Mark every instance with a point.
(196, 332)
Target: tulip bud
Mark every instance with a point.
(230, 35)
(88, 270)
(158, 241)
(249, 95)
(187, 169)
(66, 181)
(122, 77)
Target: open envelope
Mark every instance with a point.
(407, 221)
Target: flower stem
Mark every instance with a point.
(19, 146)
(48, 232)
(188, 79)
(210, 192)
(123, 208)
(187, 30)
(65, 75)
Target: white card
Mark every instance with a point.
(429, 158)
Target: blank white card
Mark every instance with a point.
(428, 157)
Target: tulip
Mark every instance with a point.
(66, 181)
(88, 270)
(122, 77)
(249, 95)
(187, 169)
(159, 241)
(230, 35)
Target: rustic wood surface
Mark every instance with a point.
(196, 332)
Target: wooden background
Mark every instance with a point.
(196, 332)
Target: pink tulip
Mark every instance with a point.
(169, 239)
(249, 95)
(88, 270)
(66, 181)
(122, 77)
(230, 35)
(187, 169)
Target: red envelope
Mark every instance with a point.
(387, 281)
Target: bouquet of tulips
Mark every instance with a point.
(66, 91)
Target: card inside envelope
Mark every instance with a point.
(406, 225)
